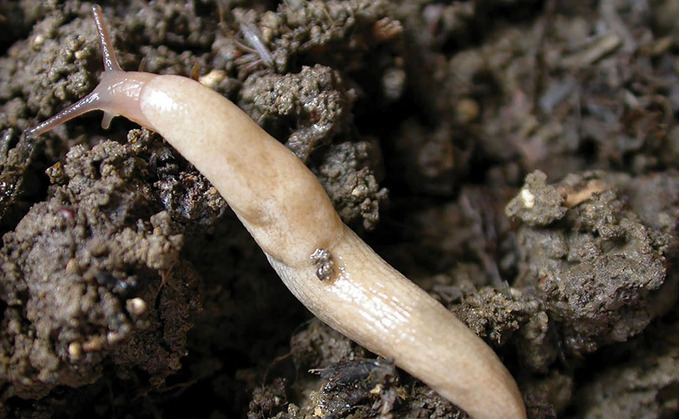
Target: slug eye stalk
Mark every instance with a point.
(116, 94)
(326, 266)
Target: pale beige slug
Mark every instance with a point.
(326, 266)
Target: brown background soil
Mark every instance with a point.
(515, 158)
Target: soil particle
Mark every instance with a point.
(270, 401)
(644, 386)
(19, 184)
(315, 99)
(317, 345)
(355, 382)
(433, 160)
(548, 395)
(507, 315)
(349, 175)
(71, 268)
(340, 382)
(537, 204)
(601, 270)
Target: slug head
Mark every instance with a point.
(118, 92)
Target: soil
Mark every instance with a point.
(515, 158)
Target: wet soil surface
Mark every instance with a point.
(517, 159)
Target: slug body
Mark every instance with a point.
(331, 270)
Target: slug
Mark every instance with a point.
(338, 277)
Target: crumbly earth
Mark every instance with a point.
(515, 158)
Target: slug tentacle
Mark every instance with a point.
(328, 267)
(108, 53)
(111, 94)
(84, 105)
